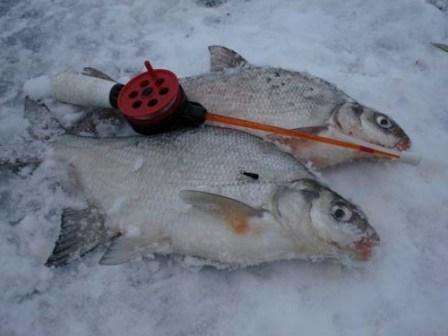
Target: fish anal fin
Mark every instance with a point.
(81, 231)
(121, 250)
(235, 214)
(125, 248)
(224, 58)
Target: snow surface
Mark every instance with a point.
(378, 51)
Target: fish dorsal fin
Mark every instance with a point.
(235, 214)
(93, 72)
(81, 231)
(224, 58)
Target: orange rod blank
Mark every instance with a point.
(297, 134)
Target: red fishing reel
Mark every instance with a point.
(154, 102)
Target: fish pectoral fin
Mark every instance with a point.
(313, 129)
(93, 72)
(292, 143)
(125, 248)
(236, 214)
(81, 231)
(224, 58)
(288, 144)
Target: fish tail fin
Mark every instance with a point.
(81, 231)
(43, 124)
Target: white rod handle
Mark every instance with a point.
(82, 90)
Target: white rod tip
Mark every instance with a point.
(411, 158)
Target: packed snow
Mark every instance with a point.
(377, 51)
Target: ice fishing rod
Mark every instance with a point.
(154, 102)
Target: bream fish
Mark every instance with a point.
(250, 203)
(217, 194)
(288, 99)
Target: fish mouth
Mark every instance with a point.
(403, 144)
(365, 246)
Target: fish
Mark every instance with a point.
(290, 99)
(220, 195)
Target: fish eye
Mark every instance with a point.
(341, 213)
(383, 122)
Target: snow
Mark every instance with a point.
(379, 52)
(38, 88)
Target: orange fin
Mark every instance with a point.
(236, 214)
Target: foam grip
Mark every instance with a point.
(82, 90)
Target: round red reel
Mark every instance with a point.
(150, 98)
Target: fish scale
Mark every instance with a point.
(205, 158)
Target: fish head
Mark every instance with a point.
(334, 222)
(365, 123)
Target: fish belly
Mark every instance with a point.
(201, 235)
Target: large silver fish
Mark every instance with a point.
(291, 99)
(221, 195)
(287, 99)
(218, 194)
